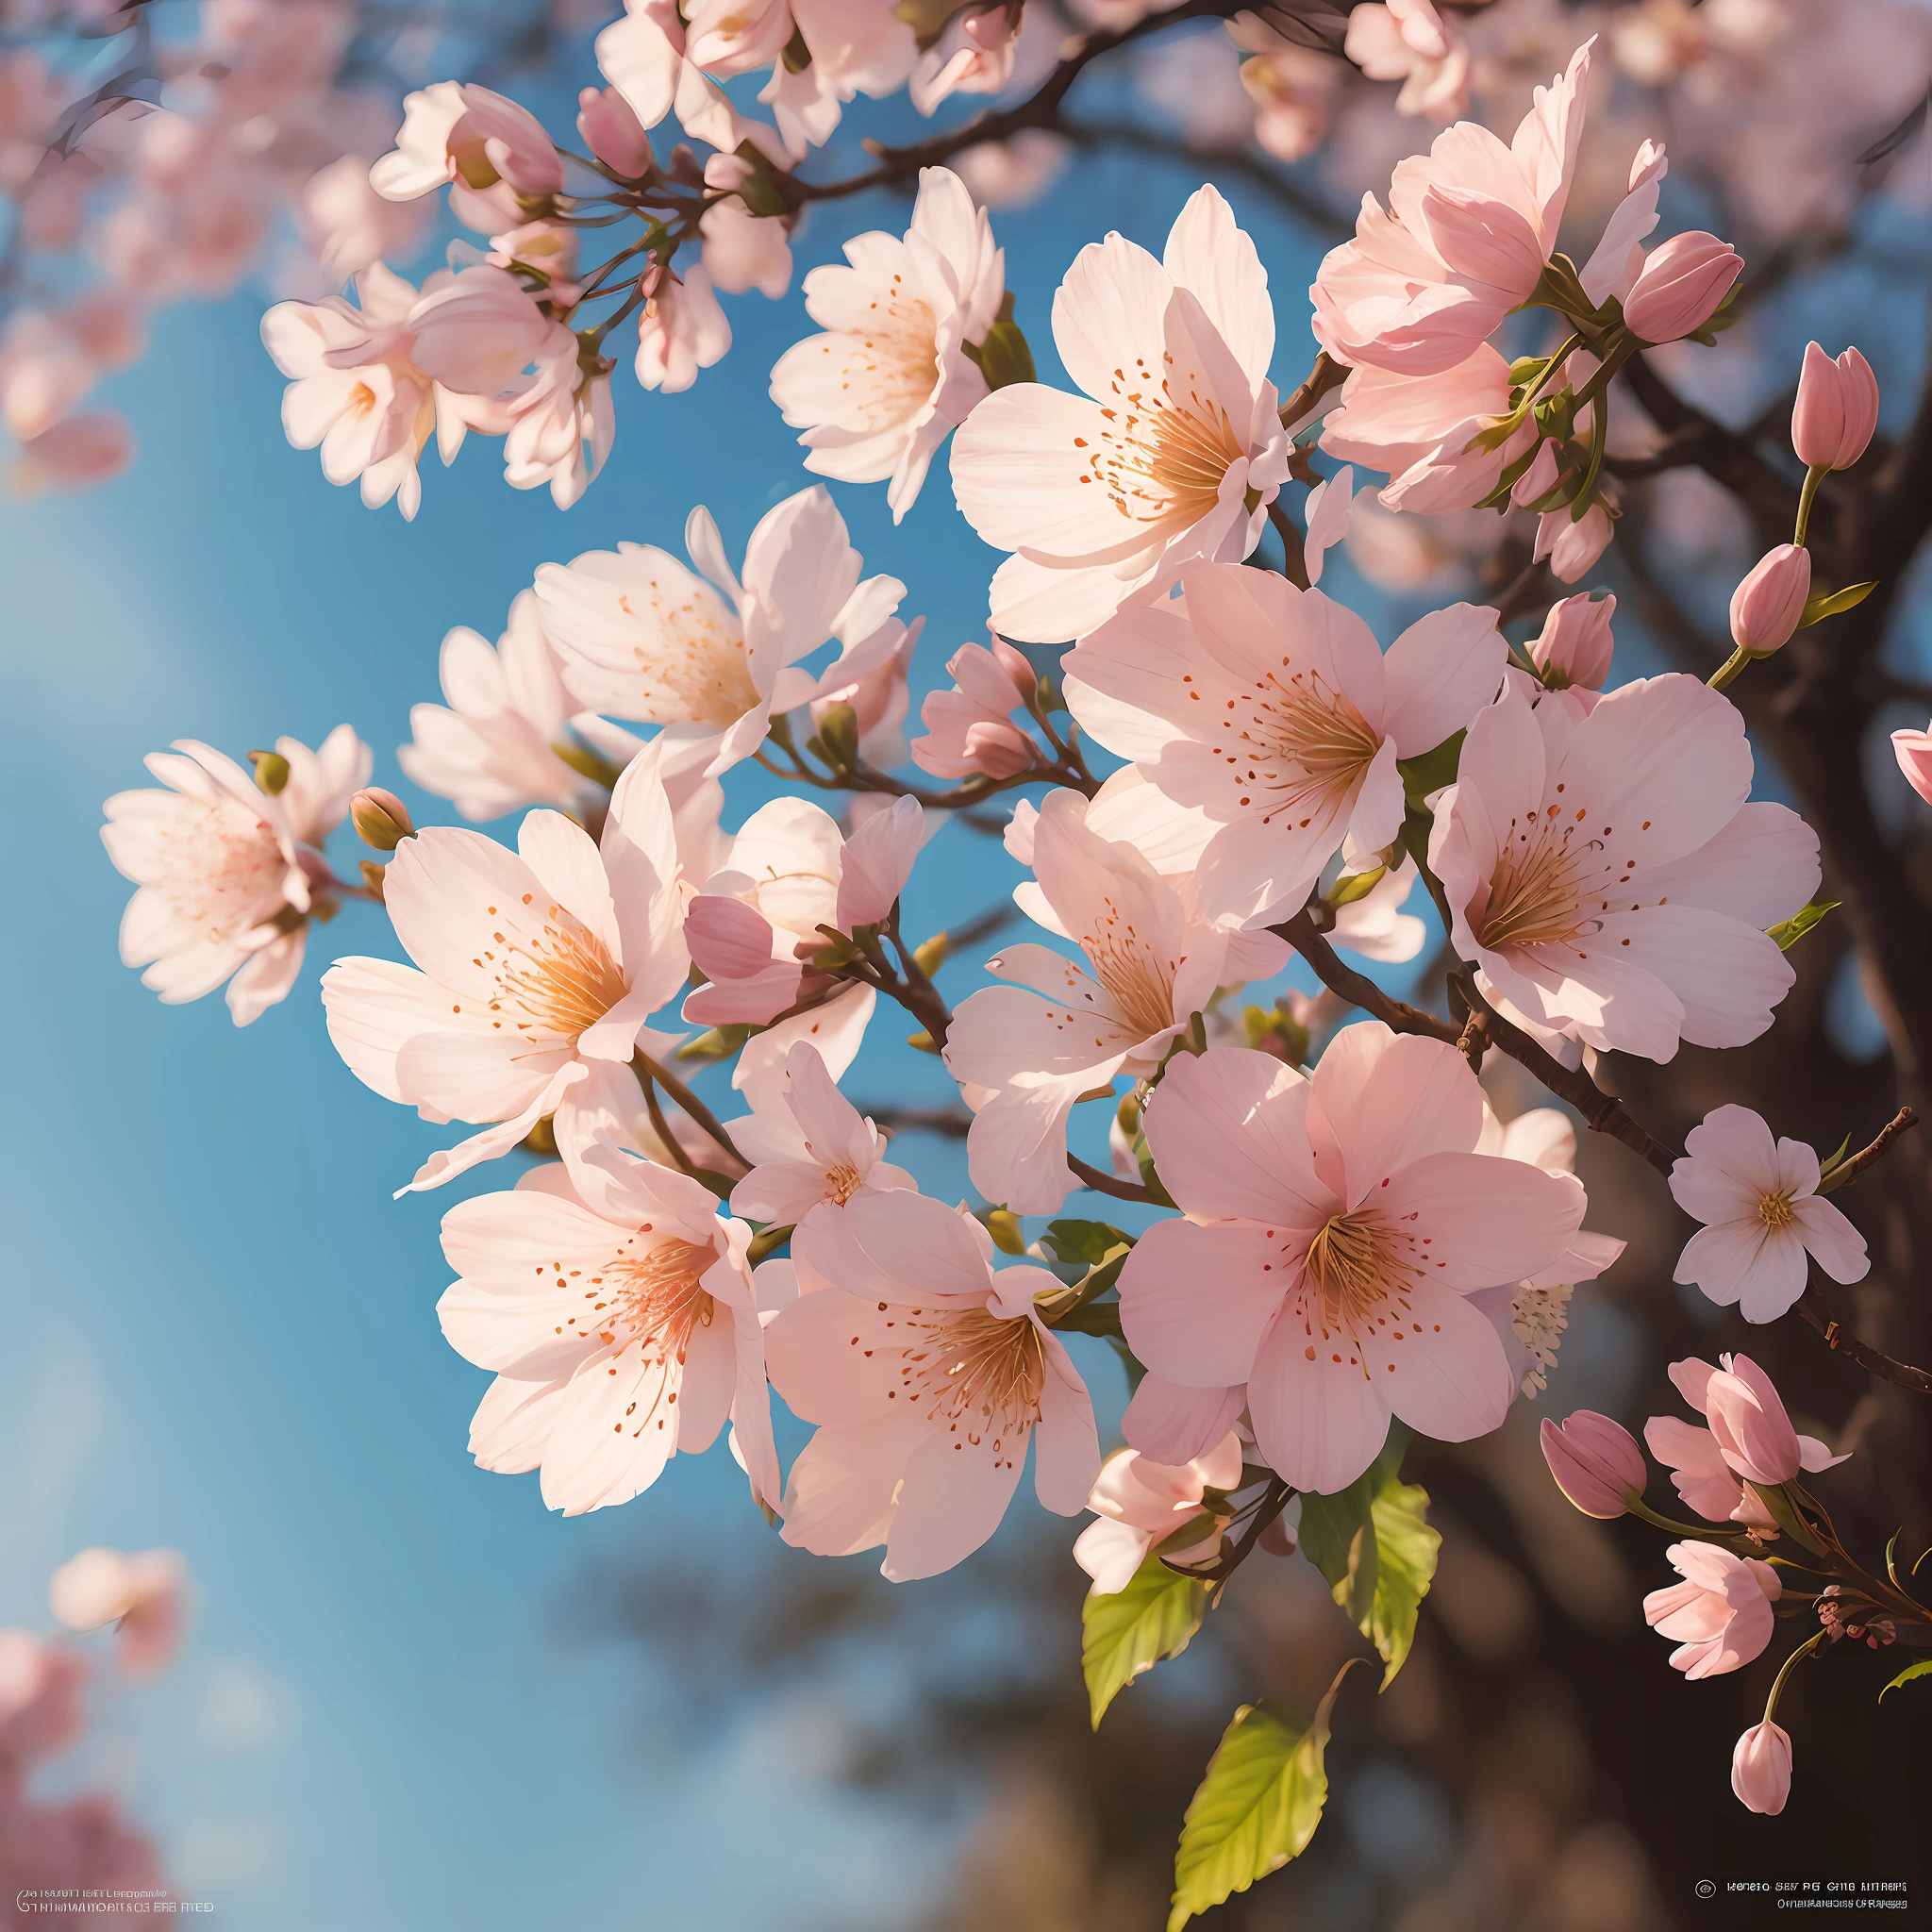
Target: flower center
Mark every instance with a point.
(1299, 744)
(980, 1375)
(1352, 1262)
(1775, 1210)
(564, 981)
(1533, 898)
(841, 1183)
(224, 870)
(689, 661)
(1140, 983)
(1164, 457)
(887, 372)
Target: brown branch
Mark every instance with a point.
(1357, 988)
(694, 1107)
(1104, 1183)
(1846, 1172)
(1810, 1306)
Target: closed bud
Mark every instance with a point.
(1762, 1769)
(270, 771)
(1540, 478)
(839, 736)
(1571, 544)
(1766, 607)
(613, 133)
(1837, 409)
(1681, 286)
(1004, 1227)
(1596, 1463)
(1016, 666)
(1004, 356)
(1575, 648)
(381, 819)
(932, 955)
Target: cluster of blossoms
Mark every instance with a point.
(1340, 1243)
(81, 1842)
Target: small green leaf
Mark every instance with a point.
(1131, 1630)
(1824, 603)
(1090, 1242)
(1922, 1668)
(717, 1044)
(1430, 772)
(1353, 886)
(1259, 1805)
(1787, 932)
(1824, 1167)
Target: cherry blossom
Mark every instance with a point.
(141, 1595)
(228, 874)
(1140, 1504)
(1178, 426)
(711, 659)
(1720, 1616)
(681, 329)
(454, 132)
(1272, 710)
(970, 729)
(1024, 1054)
(892, 376)
(1336, 1228)
(1764, 1218)
(1596, 1463)
(1762, 1769)
(1608, 876)
(621, 1335)
(928, 1375)
(350, 226)
(1913, 750)
(1409, 42)
(535, 970)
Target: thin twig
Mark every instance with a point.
(1846, 1172)
(1104, 1183)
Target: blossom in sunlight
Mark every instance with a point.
(1720, 1617)
(1608, 876)
(141, 1595)
(465, 134)
(1836, 411)
(494, 746)
(538, 969)
(1680, 287)
(1172, 454)
(1768, 605)
(1762, 1769)
(928, 1375)
(1274, 712)
(1024, 1054)
(621, 1335)
(970, 729)
(709, 657)
(1573, 543)
(1465, 237)
(975, 54)
(1336, 1228)
(879, 391)
(1913, 750)
(1764, 1220)
(1140, 1503)
(1409, 42)
(1572, 652)
(812, 1155)
(1595, 1462)
(349, 226)
(229, 875)
(1171, 1423)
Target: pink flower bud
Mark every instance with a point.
(1540, 478)
(1766, 607)
(1596, 1462)
(1680, 287)
(1762, 1769)
(878, 862)
(727, 939)
(381, 819)
(1014, 663)
(1750, 1423)
(613, 133)
(1914, 752)
(1572, 547)
(1575, 647)
(1837, 409)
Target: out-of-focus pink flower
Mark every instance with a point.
(141, 1595)
(350, 226)
(1572, 651)
(1409, 42)
(1572, 545)
(1837, 409)
(1680, 286)
(1335, 1229)
(973, 55)
(479, 333)
(457, 132)
(1720, 1617)
(879, 702)
(1766, 607)
(928, 1375)
(742, 251)
(1564, 838)
(1292, 89)
(1762, 1769)
(73, 455)
(560, 429)
(40, 1697)
(1913, 750)
(969, 729)
(1013, 172)
(612, 132)
(1141, 1502)
(1764, 1218)
(681, 329)
(108, 328)
(1596, 1462)
(44, 373)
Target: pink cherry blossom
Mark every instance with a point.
(928, 1375)
(1291, 88)
(1573, 543)
(467, 134)
(812, 1155)
(621, 1335)
(1704, 1481)
(1141, 1502)
(1573, 650)
(538, 970)
(612, 132)
(1596, 1461)
(1329, 511)
(969, 729)
(1409, 42)
(1681, 286)
(1274, 711)
(75, 453)
(560, 429)
(1720, 1616)
(1177, 429)
(1608, 876)
(681, 329)
(40, 1697)
(493, 748)
(710, 658)
(141, 1595)
(879, 702)
(1173, 1423)
(1762, 1769)
(880, 390)
(975, 55)
(1467, 232)
(1024, 1054)
(1837, 409)
(1913, 750)
(349, 226)
(1764, 1218)
(1336, 1228)
(224, 870)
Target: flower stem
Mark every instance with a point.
(1805, 1649)
(1807, 496)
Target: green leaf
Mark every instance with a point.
(1824, 1167)
(1430, 772)
(1922, 1668)
(1787, 932)
(1259, 1805)
(718, 1044)
(1353, 886)
(1131, 1630)
(1824, 603)
(1338, 1537)
(1090, 1242)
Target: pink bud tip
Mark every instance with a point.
(1596, 1463)
(613, 133)
(1681, 286)
(1913, 750)
(1766, 607)
(1762, 1769)
(1837, 409)
(1575, 647)
(381, 819)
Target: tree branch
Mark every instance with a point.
(1104, 1183)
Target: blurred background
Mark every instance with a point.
(411, 1698)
